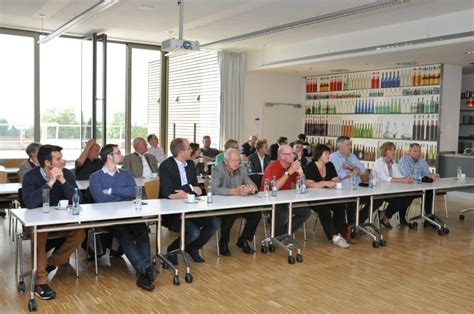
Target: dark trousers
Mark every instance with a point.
(198, 231)
(332, 223)
(134, 240)
(300, 215)
(398, 204)
(251, 223)
(428, 202)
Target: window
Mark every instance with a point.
(146, 67)
(194, 97)
(61, 94)
(16, 95)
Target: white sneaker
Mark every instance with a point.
(340, 242)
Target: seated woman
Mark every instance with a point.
(386, 170)
(199, 161)
(31, 162)
(320, 173)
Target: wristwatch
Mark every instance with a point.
(287, 173)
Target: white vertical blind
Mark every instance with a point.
(154, 87)
(192, 76)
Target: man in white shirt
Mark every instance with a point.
(155, 149)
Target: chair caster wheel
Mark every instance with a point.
(31, 305)
(271, 248)
(299, 258)
(446, 230)
(21, 287)
(176, 280)
(413, 225)
(291, 260)
(375, 244)
(382, 242)
(443, 231)
(264, 250)
(461, 217)
(188, 278)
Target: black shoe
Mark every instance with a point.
(114, 253)
(386, 225)
(144, 282)
(224, 250)
(195, 256)
(245, 247)
(152, 272)
(50, 268)
(44, 292)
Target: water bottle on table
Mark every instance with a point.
(274, 186)
(266, 187)
(75, 202)
(209, 193)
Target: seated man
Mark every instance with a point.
(177, 179)
(282, 140)
(259, 161)
(111, 184)
(140, 163)
(299, 153)
(60, 182)
(415, 167)
(248, 148)
(286, 171)
(230, 178)
(31, 162)
(155, 149)
(301, 137)
(230, 143)
(89, 161)
(349, 168)
(209, 152)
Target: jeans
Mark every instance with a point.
(300, 215)
(198, 232)
(135, 242)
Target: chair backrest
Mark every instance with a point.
(365, 177)
(152, 189)
(11, 163)
(3, 177)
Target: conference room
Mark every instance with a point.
(191, 156)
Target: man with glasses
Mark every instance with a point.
(285, 170)
(230, 178)
(111, 184)
(177, 180)
(60, 182)
(140, 163)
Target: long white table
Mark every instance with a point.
(106, 214)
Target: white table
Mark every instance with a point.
(106, 214)
(9, 188)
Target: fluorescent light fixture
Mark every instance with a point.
(309, 21)
(92, 11)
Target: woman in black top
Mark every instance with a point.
(320, 173)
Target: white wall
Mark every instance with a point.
(269, 87)
(450, 98)
(467, 82)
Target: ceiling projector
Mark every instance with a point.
(179, 45)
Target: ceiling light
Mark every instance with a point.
(368, 64)
(146, 7)
(92, 11)
(309, 21)
(470, 52)
(404, 63)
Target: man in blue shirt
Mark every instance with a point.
(350, 168)
(111, 184)
(414, 166)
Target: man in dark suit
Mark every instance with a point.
(50, 175)
(258, 161)
(177, 179)
(248, 148)
(282, 140)
(301, 137)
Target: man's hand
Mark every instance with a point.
(180, 194)
(347, 165)
(355, 171)
(434, 176)
(197, 190)
(407, 180)
(56, 174)
(90, 143)
(295, 167)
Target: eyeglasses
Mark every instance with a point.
(287, 154)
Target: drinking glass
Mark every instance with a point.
(45, 200)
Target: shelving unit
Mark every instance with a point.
(466, 120)
(399, 105)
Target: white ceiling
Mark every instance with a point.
(211, 20)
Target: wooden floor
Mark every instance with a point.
(418, 271)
